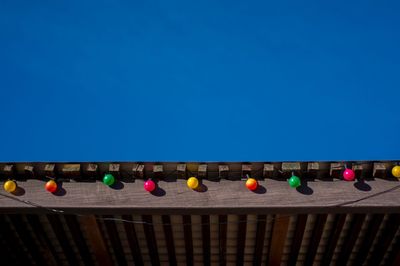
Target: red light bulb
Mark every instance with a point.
(51, 186)
(348, 174)
(149, 185)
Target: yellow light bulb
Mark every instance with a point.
(192, 183)
(10, 186)
(396, 171)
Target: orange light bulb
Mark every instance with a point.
(251, 184)
(51, 186)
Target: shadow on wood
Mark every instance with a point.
(202, 188)
(361, 185)
(118, 185)
(304, 188)
(159, 192)
(260, 190)
(60, 190)
(19, 191)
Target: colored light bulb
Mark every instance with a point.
(294, 181)
(396, 171)
(149, 185)
(108, 179)
(348, 174)
(192, 183)
(251, 184)
(51, 186)
(10, 186)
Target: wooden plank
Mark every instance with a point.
(205, 232)
(260, 234)
(96, 241)
(220, 198)
(132, 240)
(27, 239)
(297, 238)
(56, 225)
(394, 255)
(15, 252)
(151, 239)
(333, 238)
(315, 238)
(39, 232)
(112, 233)
(222, 228)
(79, 240)
(241, 239)
(350, 239)
(396, 261)
(169, 239)
(279, 232)
(8, 256)
(383, 242)
(187, 232)
(366, 244)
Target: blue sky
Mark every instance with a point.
(199, 80)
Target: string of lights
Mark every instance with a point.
(268, 219)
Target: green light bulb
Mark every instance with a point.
(294, 181)
(108, 179)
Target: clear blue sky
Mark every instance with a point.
(199, 80)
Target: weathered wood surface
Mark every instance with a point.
(220, 197)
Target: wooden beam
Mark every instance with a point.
(151, 239)
(394, 255)
(45, 243)
(169, 239)
(205, 232)
(187, 232)
(222, 228)
(260, 235)
(96, 240)
(79, 240)
(27, 239)
(338, 224)
(132, 240)
(241, 239)
(384, 240)
(297, 239)
(61, 235)
(223, 197)
(350, 239)
(315, 238)
(279, 232)
(111, 229)
(15, 252)
(366, 244)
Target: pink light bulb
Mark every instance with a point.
(348, 174)
(149, 185)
